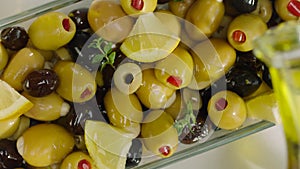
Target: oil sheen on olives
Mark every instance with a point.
(14, 38)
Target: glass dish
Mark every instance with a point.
(218, 138)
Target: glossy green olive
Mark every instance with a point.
(100, 17)
(8, 127)
(51, 30)
(23, 62)
(152, 93)
(138, 6)
(240, 34)
(3, 57)
(176, 70)
(123, 110)
(176, 107)
(282, 10)
(77, 84)
(205, 15)
(77, 160)
(47, 108)
(264, 9)
(159, 135)
(180, 8)
(227, 110)
(45, 144)
(212, 59)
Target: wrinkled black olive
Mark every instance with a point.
(134, 156)
(79, 16)
(77, 43)
(242, 81)
(41, 82)
(9, 156)
(267, 77)
(244, 6)
(14, 38)
(248, 60)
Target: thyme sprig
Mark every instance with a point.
(187, 121)
(106, 55)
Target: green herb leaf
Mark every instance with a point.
(98, 58)
(111, 57)
(188, 119)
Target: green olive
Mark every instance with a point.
(212, 59)
(77, 84)
(138, 6)
(23, 125)
(51, 30)
(176, 107)
(101, 15)
(281, 7)
(45, 144)
(8, 127)
(77, 160)
(240, 34)
(264, 9)
(123, 110)
(160, 136)
(227, 110)
(47, 108)
(206, 16)
(3, 57)
(180, 8)
(152, 93)
(176, 70)
(23, 62)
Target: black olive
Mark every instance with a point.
(79, 16)
(267, 77)
(244, 6)
(134, 156)
(14, 38)
(41, 82)
(248, 60)
(242, 81)
(163, 1)
(9, 156)
(77, 43)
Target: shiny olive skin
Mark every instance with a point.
(8, 127)
(227, 110)
(79, 17)
(264, 9)
(152, 93)
(41, 82)
(9, 156)
(45, 144)
(249, 61)
(134, 156)
(78, 41)
(205, 15)
(77, 160)
(180, 8)
(138, 6)
(24, 61)
(243, 6)
(3, 57)
(14, 38)
(282, 10)
(267, 77)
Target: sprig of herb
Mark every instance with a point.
(106, 55)
(187, 121)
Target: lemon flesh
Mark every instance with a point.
(107, 145)
(12, 103)
(264, 107)
(149, 40)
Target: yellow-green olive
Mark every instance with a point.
(22, 63)
(240, 34)
(47, 108)
(152, 93)
(206, 16)
(176, 70)
(264, 9)
(180, 8)
(101, 15)
(176, 107)
(8, 127)
(160, 136)
(212, 59)
(138, 6)
(77, 160)
(77, 84)
(123, 110)
(284, 8)
(23, 125)
(45, 144)
(3, 57)
(51, 30)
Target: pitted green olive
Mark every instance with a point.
(24, 61)
(180, 8)
(45, 144)
(77, 160)
(77, 84)
(176, 70)
(152, 93)
(138, 6)
(8, 127)
(284, 8)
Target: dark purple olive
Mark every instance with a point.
(77, 43)
(248, 60)
(236, 7)
(41, 82)
(163, 1)
(134, 156)
(267, 77)
(14, 38)
(79, 16)
(9, 156)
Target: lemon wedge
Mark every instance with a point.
(12, 103)
(264, 107)
(149, 40)
(107, 145)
